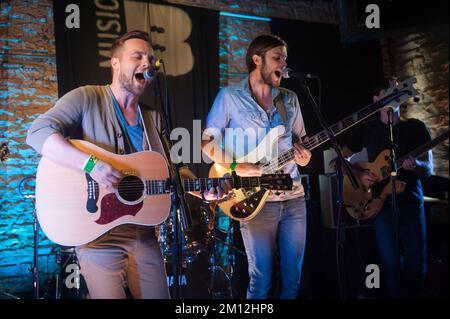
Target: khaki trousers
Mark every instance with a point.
(126, 256)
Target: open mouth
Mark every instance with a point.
(278, 74)
(140, 77)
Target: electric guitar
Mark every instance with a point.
(235, 205)
(73, 209)
(363, 203)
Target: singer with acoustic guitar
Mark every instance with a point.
(110, 117)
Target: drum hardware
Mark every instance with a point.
(222, 256)
(24, 190)
(69, 283)
(214, 246)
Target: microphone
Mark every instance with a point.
(288, 73)
(152, 71)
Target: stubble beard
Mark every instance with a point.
(127, 84)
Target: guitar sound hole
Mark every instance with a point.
(131, 188)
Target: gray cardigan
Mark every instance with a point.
(91, 107)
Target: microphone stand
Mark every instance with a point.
(183, 214)
(35, 256)
(35, 268)
(342, 166)
(393, 172)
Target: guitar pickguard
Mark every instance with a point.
(244, 203)
(111, 209)
(247, 207)
(92, 194)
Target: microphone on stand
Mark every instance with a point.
(288, 73)
(152, 71)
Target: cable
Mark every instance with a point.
(19, 187)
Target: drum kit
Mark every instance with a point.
(212, 251)
(190, 251)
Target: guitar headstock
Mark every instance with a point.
(4, 152)
(406, 87)
(276, 181)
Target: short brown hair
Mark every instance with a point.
(259, 46)
(136, 34)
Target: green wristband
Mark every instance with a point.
(90, 163)
(233, 165)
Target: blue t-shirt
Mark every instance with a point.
(133, 133)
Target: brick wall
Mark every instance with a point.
(425, 56)
(27, 88)
(235, 37)
(322, 11)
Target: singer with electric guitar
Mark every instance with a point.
(249, 110)
(408, 135)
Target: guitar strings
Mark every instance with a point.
(189, 183)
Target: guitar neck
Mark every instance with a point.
(201, 184)
(349, 121)
(423, 148)
(322, 137)
(155, 187)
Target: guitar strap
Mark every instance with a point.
(158, 142)
(152, 137)
(280, 106)
(279, 103)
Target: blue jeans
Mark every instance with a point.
(405, 279)
(282, 224)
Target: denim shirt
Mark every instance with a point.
(234, 107)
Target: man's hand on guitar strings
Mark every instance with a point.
(366, 177)
(248, 169)
(105, 174)
(410, 163)
(218, 192)
(302, 154)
